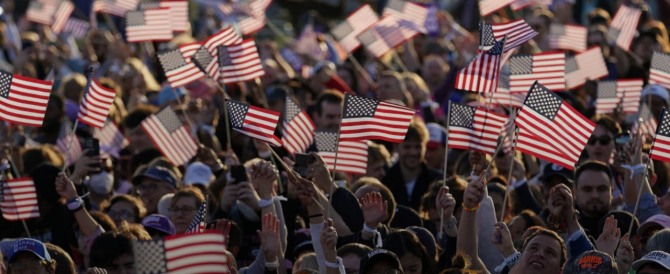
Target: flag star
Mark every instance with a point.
(543, 101)
(152, 259)
(661, 61)
(571, 65)
(237, 112)
(326, 141)
(486, 34)
(171, 60)
(342, 30)
(5, 84)
(497, 49)
(397, 5)
(367, 37)
(169, 119)
(202, 58)
(224, 56)
(149, 5)
(613, 34)
(521, 64)
(557, 29)
(357, 106)
(135, 18)
(461, 115)
(292, 109)
(607, 89)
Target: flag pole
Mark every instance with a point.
(509, 176)
(399, 61)
(488, 166)
(226, 115)
(76, 121)
(4, 175)
(337, 150)
(360, 69)
(440, 233)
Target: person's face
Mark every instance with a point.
(122, 211)
(600, 145)
(138, 140)
(351, 263)
(389, 89)
(27, 263)
(124, 264)
(411, 264)
(652, 269)
(645, 47)
(411, 153)
(433, 72)
(330, 116)
(542, 255)
(594, 192)
(182, 212)
(376, 169)
(151, 191)
(517, 226)
(435, 157)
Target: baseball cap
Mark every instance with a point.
(437, 135)
(198, 173)
(33, 246)
(160, 223)
(594, 262)
(654, 89)
(379, 255)
(659, 257)
(654, 221)
(167, 94)
(157, 173)
(552, 170)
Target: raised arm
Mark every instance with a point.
(467, 229)
(88, 226)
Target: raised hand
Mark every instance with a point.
(374, 209)
(625, 254)
(474, 193)
(329, 240)
(208, 157)
(319, 174)
(609, 239)
(65, 187)
(560, 201)
(477, 161)
(269, 236)
(84, 166)
(263, 175)
(502, 239)
(445, 201)
(223, 227)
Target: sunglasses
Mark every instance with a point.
(604, 140)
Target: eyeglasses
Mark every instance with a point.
(604, 140)
(26, 267)
(184, 209)
(121, 214)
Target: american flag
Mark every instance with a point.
(646, 122)
(170, 136)
(61, 16)
(487, 7)
(588, 65)
(551, 129)
(629, 91)
(309, 44)
(520, 4)
(414, 14)
(548, 68)
(659, 72)
(298, 133)
(74, 153)
(255, 122)
(95, 105)
(517, 32)
(240, 62)
(503, 96)
(198, 223)
(186, 253)
(346, 32)
(23, 100)
(660, 147)
(115, 7)
(148, 25)
(607, 100)
(179, 70)
(42, 11)
(567, 37)
(19, 199)
(481, 75)
(112, 140)
(178, 14)
(76, 27)
(248, 15)
(368, 119)
(474, 128)
(624, 26)
(206, 62)
(352, 156)
(385, 35)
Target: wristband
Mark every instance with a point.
(366, 228)
(336, 264)
(268, 202)
(473, 209)
(272, 265)
(377, 239)
(636, 169)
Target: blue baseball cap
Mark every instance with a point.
(167, 94)
(30, 245)
(160, 223)
(158, 173)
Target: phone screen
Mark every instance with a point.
(239, 173)
(302, 161)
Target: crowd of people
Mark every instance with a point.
(420, 208)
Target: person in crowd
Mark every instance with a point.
(30, 256)
(125, 208)
(184, 208)
(153, 183)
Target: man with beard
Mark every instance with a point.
(410, 176)
(593, 194)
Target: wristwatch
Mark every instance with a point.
(75, 204)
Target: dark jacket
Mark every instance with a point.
(394, 180)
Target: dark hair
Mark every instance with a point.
(103, 220)
(386, 193)
(357, 249)
(135, 117)
(138, 207)
(608, 123)
(109, 246)
(64, 263)
(460, 264)
(595, 166)
(531, 218)
(328, 96)
(403, 241)
(417, 131)
(552, 234)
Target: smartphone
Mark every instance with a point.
(239, 173)
(302, 162)
(93, 147)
